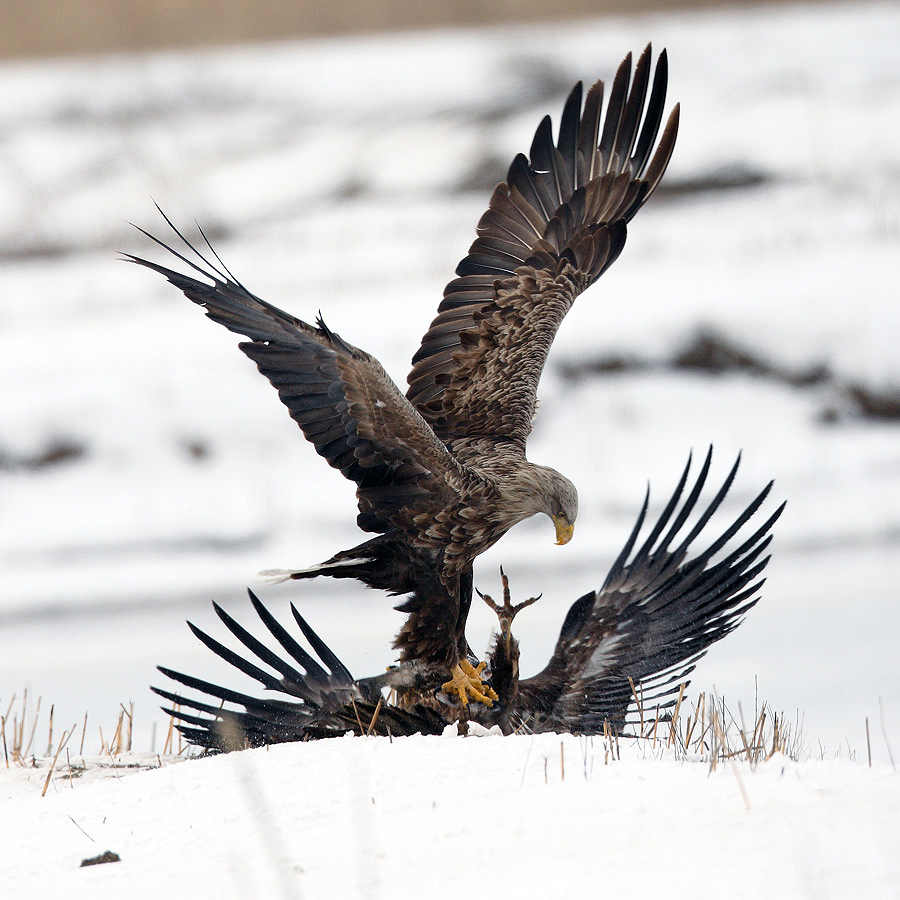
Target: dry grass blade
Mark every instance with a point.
(743, 734)
(358, 720)
(37, 713)
(19, 733)
(375, 715)
(69, 764)
(171, 732)
(722, 740)
(673, 724)
(62, 743)
(523, 726)
(113, 763)
(83, 733)
(638, 701)
(776, 736)
(759, 731)
(50, 731)
(713, 730)
(129, 715)
(115, 745)
(711, 733)
(868, 743)
(3, 721)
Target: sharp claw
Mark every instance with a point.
(466, 684)
(508, 610)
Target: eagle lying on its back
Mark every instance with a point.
(441, 471)
(636, 639)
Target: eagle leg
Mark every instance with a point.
(466, 684)
(507, 612)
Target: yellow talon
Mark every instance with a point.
(466, 683)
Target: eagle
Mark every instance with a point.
(441, 471)
(623, 656)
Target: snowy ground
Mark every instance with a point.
(347, 176)
(512, 817)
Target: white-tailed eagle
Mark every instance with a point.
(441, 471)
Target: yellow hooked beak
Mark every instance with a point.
(564, 530)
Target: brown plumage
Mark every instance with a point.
(659, 609)
(441, 473)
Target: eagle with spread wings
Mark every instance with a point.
(441, 470)
(628, 647)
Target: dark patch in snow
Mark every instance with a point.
(37, 250)
(710, 352)
(107, 857)
(730, 177)
(858, 401)
(484, 175)
(196, 448)
(490, 169)
(714, 354)
(352, 189)
(54, 452)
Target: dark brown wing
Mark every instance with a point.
(309, 694)
(340, 397)
(652, 620)
(554, 226)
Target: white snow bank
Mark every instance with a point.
(424, 816)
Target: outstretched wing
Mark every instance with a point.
(341, 398)
(654, 618)
(317, 695)
(554, 226)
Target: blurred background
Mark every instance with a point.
(339, 163)
(34, 28)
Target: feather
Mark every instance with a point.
(552, 209)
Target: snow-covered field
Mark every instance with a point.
(437, 817)
(347, 176)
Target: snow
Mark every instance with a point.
(522, 816)
(332, 180)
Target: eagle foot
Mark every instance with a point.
(466, 684)
(508, 611)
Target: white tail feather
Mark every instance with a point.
(276, 576)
